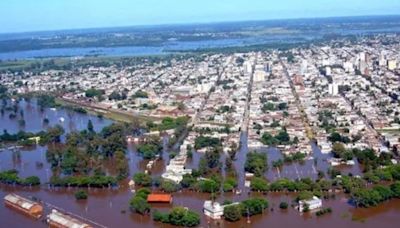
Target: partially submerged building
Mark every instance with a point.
(23, 205)
(312, 204)
(159, 198)
(214, 210)
(57, 219)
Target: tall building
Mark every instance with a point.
(392, 64)
(328, 71)
(382, 60)
(348, 67)
(259, 76)
(248, 68)
(304, 65)
(333, 89)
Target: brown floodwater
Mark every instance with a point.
(109, 206)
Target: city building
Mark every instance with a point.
(392, 64)
(333, 89)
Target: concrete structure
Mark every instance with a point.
(392, 64)
(214, 210)
(328, 71)
(312, 204)
(23, 205)
(333, 89)
(259, 76)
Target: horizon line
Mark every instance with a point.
(196, 23)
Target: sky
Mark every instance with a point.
(43, 15)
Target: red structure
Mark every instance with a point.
(159, 198)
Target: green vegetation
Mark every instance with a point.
(259, 184)
(295, 157)
(256, 163)
(339, 151)
(282, 138)
(52, 135)
(323, 211)
(11, 177)
(142, 179)
(91, 93)
(3, 91)
(151, 148)
(85, 151)
(46, 101)
(233, 213)
(229, 184)
(178, 216)
(96, 181)
(168, 123)
(208, 185)
(283, 205)
(138, 203)
(81, 195)
(376, 195)
(140, 94)
(253, 206)
(169, 186)
(206, 141)
(336, 137)
(305, 195)
(225, 108)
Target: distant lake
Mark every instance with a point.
(168, 47)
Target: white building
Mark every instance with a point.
(248, 68)
(312, 204)
(348, 67)
(392, 64)
(333, 89)
(259, 76)
(328, 71)
(214, 210)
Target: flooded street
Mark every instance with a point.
(110, 206)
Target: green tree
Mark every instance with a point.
(338, 150)
(253, 206)
(81, 195)
(180, 216)
(283, 205)
(256, 163)
(232, 213)
(90, 126)
(142, 179)
(395, 189)
(259, 184)
(169, 186)
(139, 205)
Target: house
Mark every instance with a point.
(214, 210)
(312, 204)
(159, 198)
